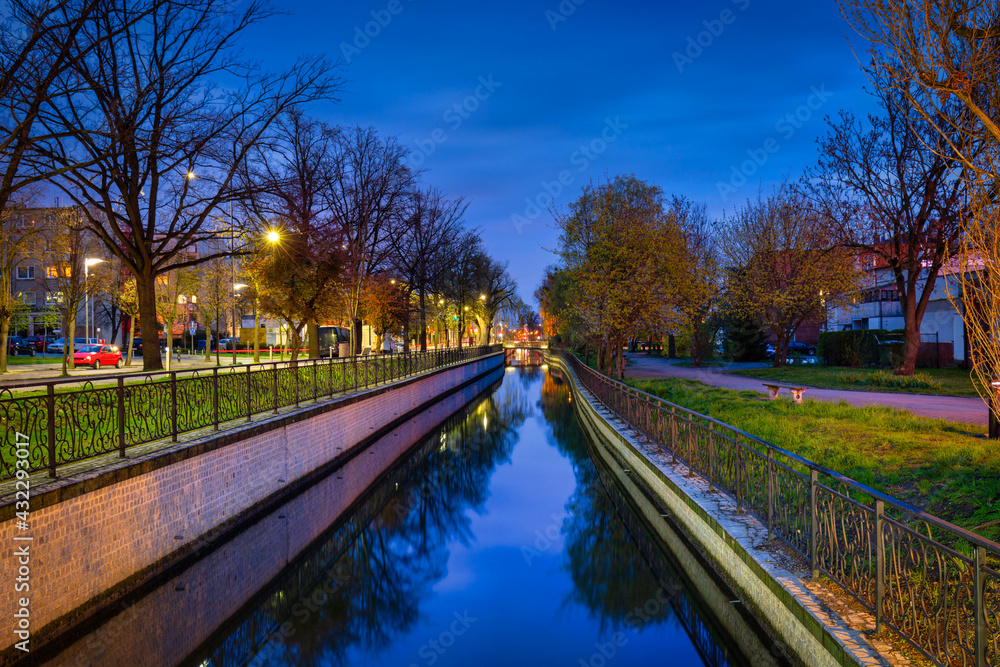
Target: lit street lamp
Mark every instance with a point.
(87, 263)
(232, 339)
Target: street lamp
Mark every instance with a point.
(232, 339)
(87, 263)
(273, 236)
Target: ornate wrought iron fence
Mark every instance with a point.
(940, 591)
(69, 420)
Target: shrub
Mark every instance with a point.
(857, 347)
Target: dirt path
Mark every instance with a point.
(952, 408)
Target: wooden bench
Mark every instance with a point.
(774, 388)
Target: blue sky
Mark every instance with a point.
(709, 100)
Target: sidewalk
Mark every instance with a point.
(19, 373)
(953, 408)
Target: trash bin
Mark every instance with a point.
(343, 350)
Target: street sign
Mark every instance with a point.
(193, 328)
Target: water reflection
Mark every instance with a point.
(362, 585)
(436, 566)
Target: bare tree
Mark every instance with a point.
(298, 167)
(942, 58)
(215, 298)
(153, 143)
(369, 193)
(421, 245)
(889, 190)
(495, 287)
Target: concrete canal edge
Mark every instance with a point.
(108, 528)
(735, 545)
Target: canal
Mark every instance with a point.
(500, 539)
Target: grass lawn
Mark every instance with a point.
(21, 360)
(939, 466)
(947, 381)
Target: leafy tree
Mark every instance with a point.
(385, 305)
(783, 266)
(619, 246)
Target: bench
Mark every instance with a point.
(774, 388)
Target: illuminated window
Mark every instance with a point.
(27, 298)
(54, 297)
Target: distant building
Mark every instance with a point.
(942, 331)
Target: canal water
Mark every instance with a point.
(497, 540)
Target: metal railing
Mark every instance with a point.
(54, 422)
(941, 594)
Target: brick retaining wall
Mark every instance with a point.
(93, 541)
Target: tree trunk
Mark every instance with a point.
(779, 352)
(146, 288)
(911, 344)
(296, 342)
(356, 334)
(131, 340)
(4, 332)
(69, 341)
(312, 331)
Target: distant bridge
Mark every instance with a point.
(525, 353)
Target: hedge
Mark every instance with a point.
(858, 347)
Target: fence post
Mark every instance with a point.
(315, 387)
(274, 386)
(711, 456)
(770, 493)
(691, 437)
(249, 392)
(50, 401)
(739, 473)
(978, 560)
(215, 395)
(121, 417)
(329, 374)
(295, 367)
(814, 522)
(673, 434)
(173, 404)
(879, 564)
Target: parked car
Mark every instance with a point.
(802, 348)
(99, 355)
(40, 342)
(227, 344)
(17, 345)
(796, 347)
(78, 343)
(332, 337)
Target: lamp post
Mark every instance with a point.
(87, 263)
(236, 288)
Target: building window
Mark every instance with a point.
(25, 273)
(27, 298)
(60, 270)
(53, 297)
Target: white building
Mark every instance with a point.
(876, 307)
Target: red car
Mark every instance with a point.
(98, 355)
(40, 342)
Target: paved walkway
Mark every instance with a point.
(952, 408)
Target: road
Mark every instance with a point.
(953, 408)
